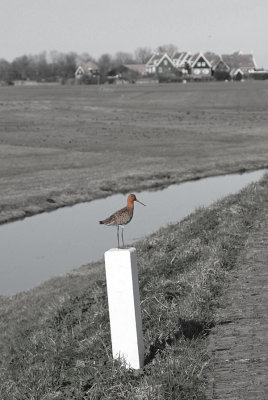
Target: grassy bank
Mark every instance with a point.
(55, 339)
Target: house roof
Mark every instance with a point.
(239, 60)
(221, 63)
(140, 68)
(235, 71)
(154, 59)
(195, 57)
(157, 58)
(213, 59)
(180, 57)
(89, 66)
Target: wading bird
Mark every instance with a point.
(122, 217)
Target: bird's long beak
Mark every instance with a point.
(140, 202)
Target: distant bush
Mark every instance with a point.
(88, 80)
(221, 75)
(259, 75)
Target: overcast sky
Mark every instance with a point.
(106, 26)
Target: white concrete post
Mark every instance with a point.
(124, 306)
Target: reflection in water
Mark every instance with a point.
(50, 244)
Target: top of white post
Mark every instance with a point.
(124, 306)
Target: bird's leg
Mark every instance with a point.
(122, 231)
(118, 235)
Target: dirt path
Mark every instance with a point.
(239, 344)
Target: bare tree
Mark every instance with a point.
(167, 48)
(5, 73)
(84, 58)
(123, 58)
(105, 63)
(142, 55)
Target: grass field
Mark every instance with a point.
(55, 339)
(75, 143)
(61, 145)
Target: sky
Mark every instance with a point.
(105, 26)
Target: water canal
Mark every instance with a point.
(50, 244)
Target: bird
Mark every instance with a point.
(122, 217)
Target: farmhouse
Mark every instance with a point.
(221, 70)
(89, 70)
(239, 61)
(213, 59)
(200, 67)
(180, 58)
(126, 72)
(159, 63)
(237, 74)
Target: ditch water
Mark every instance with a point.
(49, 244)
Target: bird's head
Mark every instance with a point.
(131, 198)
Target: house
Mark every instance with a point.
(237, 74)
(89, 70)
(162, 66)
(127, 73)
(181, 61)
(180, 58)
(200, 67)
(139, 69)
(213, 59)
(239, 61)
(159, 63)
(221, 71)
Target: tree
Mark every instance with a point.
(83, 58)
(167, 48)
(62, 65)
(5, 74)
(41, 66)
(21, 68)
(142, 55)
(123, 58)
(105, 63)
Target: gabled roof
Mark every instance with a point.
(194, 59)
(235, 71)
(157, 58)
(179, 58)
(154, 59)
(87, 67)
(221, 62)
(213, 59)
(239, 60)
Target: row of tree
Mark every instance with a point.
(55, 66)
